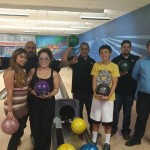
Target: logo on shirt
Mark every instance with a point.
(104, 76)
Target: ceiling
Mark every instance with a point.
(60, 17)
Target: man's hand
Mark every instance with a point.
(101, 97)
(123, 73)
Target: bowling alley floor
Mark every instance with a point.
(117, 142)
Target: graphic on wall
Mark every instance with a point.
(133, 27)
(57, 44)
(7, 51)
(10, 42)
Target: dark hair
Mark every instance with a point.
(148, 43)
(46, 50)
(126, 41)
(28, 43)
(17, 52)
(84, 43)
(105, 47)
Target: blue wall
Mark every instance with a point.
(134, 26)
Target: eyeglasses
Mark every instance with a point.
(44, 58)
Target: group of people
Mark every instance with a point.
(124, 86)
(26, 68)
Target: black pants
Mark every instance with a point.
(143, 111)
(41, 117)
(87, 100)
(15, 138)
(126, 102)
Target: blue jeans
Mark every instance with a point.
(126, 101)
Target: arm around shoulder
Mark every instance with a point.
(31, 73)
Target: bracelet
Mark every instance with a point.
(10, 110)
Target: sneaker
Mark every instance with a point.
(133, 141)
(106, 146)
(126, 136)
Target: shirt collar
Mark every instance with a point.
(80, 57)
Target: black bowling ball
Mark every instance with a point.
(103, 89)
(124, 65)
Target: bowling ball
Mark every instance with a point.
(41, 88)
(124, 65)
(89, 147)
(66, 147)
(72, 40)
(78, 125)
(10, 126)
(103, 89)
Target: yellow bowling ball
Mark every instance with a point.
(78, 125)
(66, 147)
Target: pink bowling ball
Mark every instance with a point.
(10, 126)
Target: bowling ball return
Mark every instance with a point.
(66, 110)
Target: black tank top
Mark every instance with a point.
(49, 80)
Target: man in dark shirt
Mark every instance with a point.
(82, 78)
(125, 90)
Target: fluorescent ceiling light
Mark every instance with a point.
(36, 28)
(14, 14)
(31, 32)
(76, 9)
(69, 33)
(80, 27)
(52, 8)
(38, 21)
(19, 24)
(94, 18)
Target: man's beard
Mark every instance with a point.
(31, 54)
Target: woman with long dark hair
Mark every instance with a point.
(16, 84)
